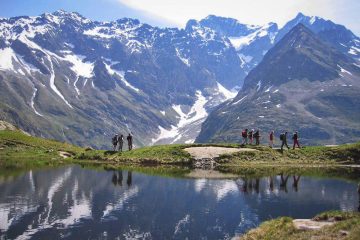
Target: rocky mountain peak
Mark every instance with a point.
(300, 54)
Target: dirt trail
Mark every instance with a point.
(64, 154)
(308, 224)
(213, 152)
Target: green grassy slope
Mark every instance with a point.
(347, 227)
(19, 150)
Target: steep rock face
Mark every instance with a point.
(66, 77)
(302, 84)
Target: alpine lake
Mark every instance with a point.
(93, 202)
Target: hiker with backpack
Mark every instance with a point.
(120, 142)
(114, 141)
(271, 139)
(129, 140)
(283, 139)
(251, 136)
(295, 139)
(244, 135)
(257, 137)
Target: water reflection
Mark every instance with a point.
(247, 185)
(117, 178)
(76, 203)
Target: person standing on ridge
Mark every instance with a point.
(271, 139)
(114, 141)
(283, 138)
(251, 136)
(257, 137)
(121, 142)
(129, 140)
(244, 135)
(296, 141)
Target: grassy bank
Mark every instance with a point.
(18, 150)
(347, 226)
(315, 155)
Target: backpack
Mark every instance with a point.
(282, 136)
(244, 134)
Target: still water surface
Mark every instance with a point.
(75, 203)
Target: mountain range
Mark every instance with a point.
(67, 77)
(303, 84)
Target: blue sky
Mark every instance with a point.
(176, 13)
(94, 9)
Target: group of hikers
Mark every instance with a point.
(249, 136)
(118, 142)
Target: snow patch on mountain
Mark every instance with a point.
(75, 86)
(268, 89)
(23, 27)
(52, 82)
(244, 59)
(239, 101)
(196, 113)
(32, 102)
(135, 46)
(242, 41)
(101, 32)
(343, 70)
(354, 50)
(239, 42)
(120, 74)
(258, 86)
(186, 61)
(6, 59)
(313, 20)
(79, 67)
(206, 34)
(227, 93)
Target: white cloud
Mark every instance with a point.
(250, 11)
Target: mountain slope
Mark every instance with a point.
(302, 84)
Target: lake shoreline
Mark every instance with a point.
(19, 150)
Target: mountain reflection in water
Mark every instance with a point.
(76, 203)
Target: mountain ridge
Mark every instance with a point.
(322, 107)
